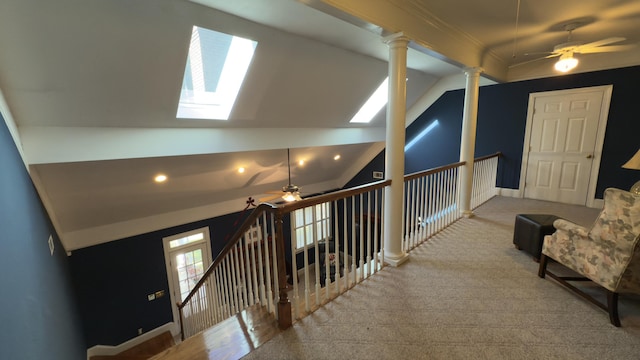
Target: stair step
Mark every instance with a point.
(232, 338)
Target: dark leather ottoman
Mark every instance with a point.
(529, 232)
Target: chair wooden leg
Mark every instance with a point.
(612, 307)
(542, 269)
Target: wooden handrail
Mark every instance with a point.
(244, 227)
(337, 195)
(279, 211)
(497, 154)
(422, 173)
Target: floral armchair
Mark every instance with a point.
(607, 254)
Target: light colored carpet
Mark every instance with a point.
(465, 294)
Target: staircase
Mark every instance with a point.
(232, 338)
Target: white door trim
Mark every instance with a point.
(167, 259)
(597, 155)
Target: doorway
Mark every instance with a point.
(563, 143)
(187, 257)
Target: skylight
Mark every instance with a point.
(216, 66)
(376, 101)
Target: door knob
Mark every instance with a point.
(589, 156)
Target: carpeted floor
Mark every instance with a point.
(465, 294)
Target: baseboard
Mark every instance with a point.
(597, 203)
(117, 349)
(514, 193)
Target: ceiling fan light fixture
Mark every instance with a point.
(566, 63)
(291, 193)
(289, 197)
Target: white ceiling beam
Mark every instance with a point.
(43, 145)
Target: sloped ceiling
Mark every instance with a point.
(91, 88)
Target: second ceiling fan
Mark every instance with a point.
(567, 49)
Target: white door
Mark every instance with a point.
(564, 129)
(187, 257)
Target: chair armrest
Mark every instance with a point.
(571, 228)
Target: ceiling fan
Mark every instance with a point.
(567, 49)
(289, 193)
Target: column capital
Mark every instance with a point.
(473, 71)
(395, 39)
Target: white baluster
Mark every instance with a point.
(294, 273)
(316, 253)
(274, 266)
(369, 220)
(245, 260)
(336, 246)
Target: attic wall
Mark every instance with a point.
(502, 115)
(38, 313)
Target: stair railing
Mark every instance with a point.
(485, 171)
(248, 271)
(431, 197)
(337, 242)
(251, 269)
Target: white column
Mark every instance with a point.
(468, 138)
(394, 154)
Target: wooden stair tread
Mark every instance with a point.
(232, 338)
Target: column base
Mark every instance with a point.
(467, 214)
(396, 261)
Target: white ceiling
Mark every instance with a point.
(92, 89)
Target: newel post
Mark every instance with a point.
(179, 304)
(284, 305)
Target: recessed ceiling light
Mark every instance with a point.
(337, 157)
(241, 170)
(160, 178)
(301, 162)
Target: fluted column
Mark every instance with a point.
(468, 138)
(394, 154)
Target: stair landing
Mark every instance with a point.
(232, 338)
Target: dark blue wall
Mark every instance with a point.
(502, 115)
(38, 316)
(114, 279)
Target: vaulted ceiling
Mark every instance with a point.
(90, 91)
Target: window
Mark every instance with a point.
(216, 66)
(311, 223)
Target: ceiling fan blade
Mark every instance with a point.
(269, 198)
(539, 53)
(603, 49)
(274, 192)
(532, 60)
(602, 42)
